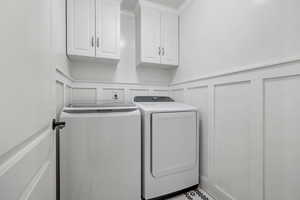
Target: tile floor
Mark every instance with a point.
(197, 194)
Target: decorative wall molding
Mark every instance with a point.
(160, 90)
(280, 133)
(120, 83)
(244, 69)
(104, 90)
(286, 73)
(197, 87)
(177, 89)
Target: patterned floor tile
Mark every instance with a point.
(197, 194)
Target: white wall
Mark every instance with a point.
(218, 36)
(240, 65)
(59, 36)
(126, 71)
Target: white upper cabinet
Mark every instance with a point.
(150, 35)
(169, 38)
(81, 27)
(157, 35)
(93, 28)
(108, 29)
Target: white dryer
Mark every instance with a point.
(170, 146)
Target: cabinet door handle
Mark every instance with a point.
(93, 41)
(159, 51)
(163, 51)
(98, 42)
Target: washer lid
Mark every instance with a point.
(100, 106)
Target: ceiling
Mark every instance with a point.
(130, 4)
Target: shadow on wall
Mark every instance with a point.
(113, 72)
(154, 75)
(93, 71)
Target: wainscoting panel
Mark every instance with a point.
(106, 91)
(252, 123)
(138, 92)
(160, 92)
(178, 94)
(231, 140)
(68, 95)
(86, 95)
(63, 90)
(199, 97)
(249, 128)
(282, 138)
(60, 95)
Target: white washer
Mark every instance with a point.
(170, 146)
(100, 152)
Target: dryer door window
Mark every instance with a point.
(174, 143)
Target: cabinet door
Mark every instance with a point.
(81, 27)
(108, 29)
(150, 35)
(170, 37)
